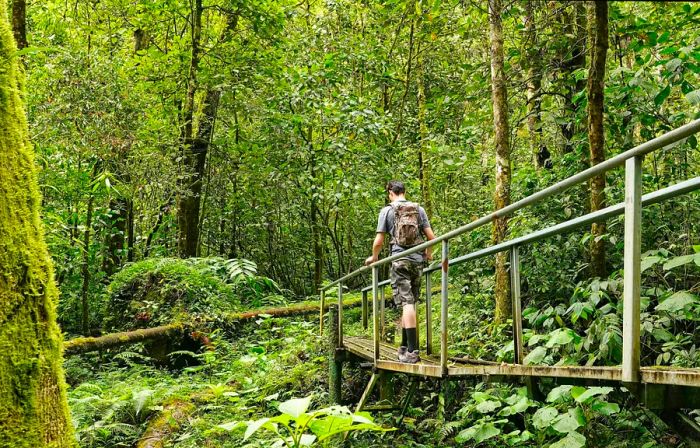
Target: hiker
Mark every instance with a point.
(405, 221)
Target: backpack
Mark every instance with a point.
(406, 224)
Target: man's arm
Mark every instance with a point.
(429, 235)
(376, 248)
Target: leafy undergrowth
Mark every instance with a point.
(270, 361)
(245, 378)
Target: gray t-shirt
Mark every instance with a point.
(386, 225)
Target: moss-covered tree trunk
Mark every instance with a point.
(499, 96)
(193, 157)
(33, 407)
(598, 21)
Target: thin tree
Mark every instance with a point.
(499, 97)
(533, 64)
(598, 36)
(19, 23)
(193, 158)
(423, 136)
(33, 407)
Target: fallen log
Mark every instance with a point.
(84, 345)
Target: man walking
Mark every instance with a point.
(407, 223)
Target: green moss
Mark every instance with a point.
(33, 407)
(160, 291)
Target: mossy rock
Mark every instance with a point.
(160, 291)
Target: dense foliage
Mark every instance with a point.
(200, 157)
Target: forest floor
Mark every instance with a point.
(115, 400)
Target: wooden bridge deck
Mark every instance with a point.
(430, 366)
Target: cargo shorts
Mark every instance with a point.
(405, 281)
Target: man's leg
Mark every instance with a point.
(409, 324)
(398, 284)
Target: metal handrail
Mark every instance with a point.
(632, 209)
(614, 162)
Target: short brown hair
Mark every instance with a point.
(395, 186)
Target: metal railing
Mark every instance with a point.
(631, 208)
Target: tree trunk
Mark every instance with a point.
(19, 23)
(85, 268)
(196, 147)
(596, 133)
(423, 138)
(192, 159)
(316, 233)
(502, 133)
(539, 151)
(130, 236)
(116, 233)
(159, 221)
(574, 26)
(33, 407)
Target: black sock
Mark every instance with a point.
(411, 336)
(404, 337)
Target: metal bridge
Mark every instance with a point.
(381, 357)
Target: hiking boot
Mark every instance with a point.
(402, 353)
(411, 357)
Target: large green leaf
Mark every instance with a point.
(591, 392)
(650, 261)
(572, 440)
(693, 97)
(566, 423)
(677, 302)
(488, 406)
(559, 392)
(544, 417)
(295, 407)
(679, 261)
(561, 336)
(536, 356)
(662, 95)
(478, 433)
(253, 427)
(606, 408)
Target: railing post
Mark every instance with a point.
(632, 279)
(443, 306)
(335, 365)
(323, 305)
(364, 310)
(517, 307)
(428, 315)
(375, 312)
(340, 314)
(382, 314)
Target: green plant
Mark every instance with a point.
(498, 414)
(291, 428)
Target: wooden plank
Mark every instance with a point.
(632, 276)
(419, 368)
(367, 392)
(362, 348)
(600, 373)
(670, 375)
